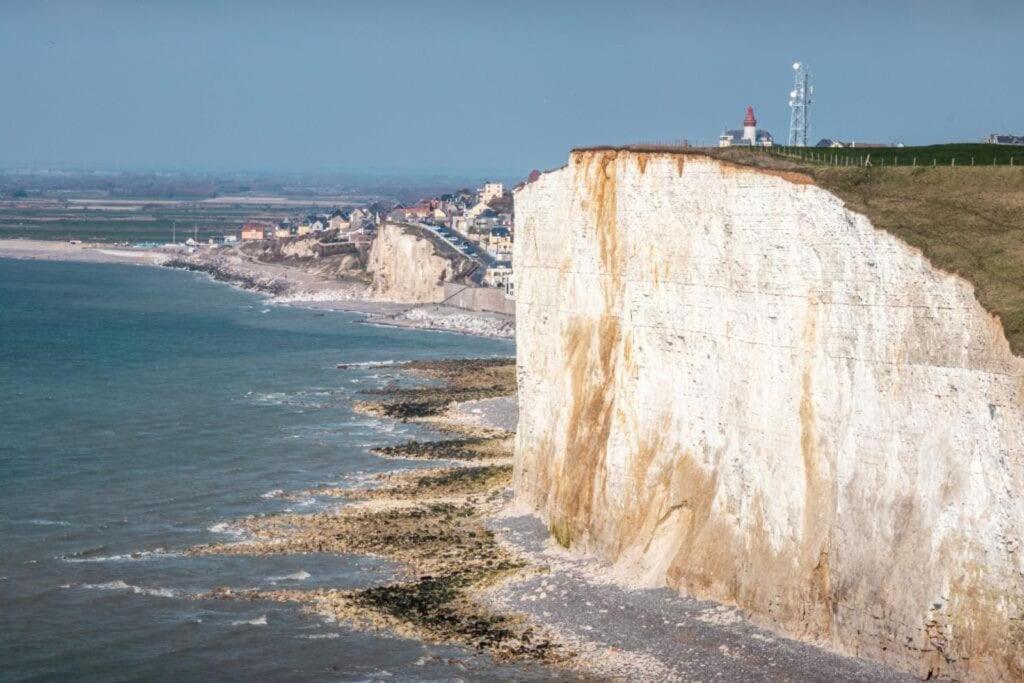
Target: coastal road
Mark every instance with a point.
(473, 252)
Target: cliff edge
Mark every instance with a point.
(731, 384)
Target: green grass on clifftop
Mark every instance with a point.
(959, 154)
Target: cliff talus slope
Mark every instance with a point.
(732, 384)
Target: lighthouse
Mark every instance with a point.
(749, 136)
(750, 127)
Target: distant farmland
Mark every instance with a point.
(141, 221)
(932, 155)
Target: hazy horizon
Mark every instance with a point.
(464, 90)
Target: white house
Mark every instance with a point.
(491, 191)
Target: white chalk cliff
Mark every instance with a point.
(731, 385)
(406, 268)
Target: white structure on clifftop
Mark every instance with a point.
(750, 136)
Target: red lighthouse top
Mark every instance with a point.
(749, 120)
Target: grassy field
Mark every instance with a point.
(133, 222)
(966, 220)
(932, 155)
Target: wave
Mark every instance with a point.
(138, 590)
(49, 522)
(300, 575)
(321, 636)
(272, 493)
(369, 364)
(127, 557)
(258, 621)
(226, 528)
(274, 398)
(311, 398)
(358, 479)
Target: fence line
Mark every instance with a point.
(879, 158)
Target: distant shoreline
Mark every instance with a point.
(393, 314)
(82, 252)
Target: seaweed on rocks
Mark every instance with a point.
(469, 448)
(438, 604)
(457, 380)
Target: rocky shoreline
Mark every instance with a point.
(298, 287)
(433, 522)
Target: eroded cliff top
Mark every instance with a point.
(966, 220)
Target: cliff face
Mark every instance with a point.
(732, 385)
(406, 268)
(305, 253)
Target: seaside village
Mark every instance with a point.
(478, 224)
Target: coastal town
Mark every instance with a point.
(477, 225)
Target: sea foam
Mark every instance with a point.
(138, 590)
(126, 557)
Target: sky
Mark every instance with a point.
(479, 86)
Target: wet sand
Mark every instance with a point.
(85, 252)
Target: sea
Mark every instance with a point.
(142, 410)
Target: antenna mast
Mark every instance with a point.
(799, 103)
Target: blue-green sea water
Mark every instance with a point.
(140, 410)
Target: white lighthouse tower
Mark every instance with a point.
(750, 127)
(749, 136)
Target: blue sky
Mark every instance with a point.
(480, 86)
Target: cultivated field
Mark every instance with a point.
(104, 220)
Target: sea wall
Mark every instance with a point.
(731, 385)
(482, 299)
(407, 268)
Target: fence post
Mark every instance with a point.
(952, 162)
(915, 161)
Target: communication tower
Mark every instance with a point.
(799, 104)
